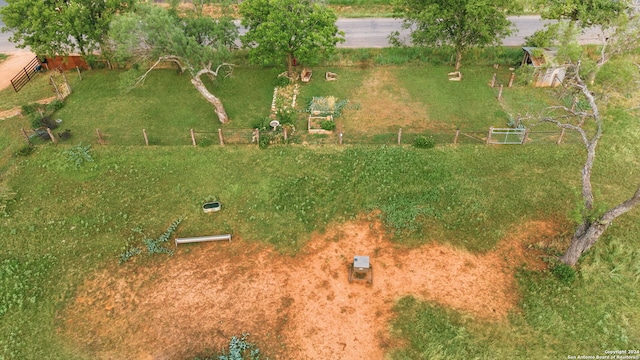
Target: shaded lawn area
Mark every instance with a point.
(166, 105)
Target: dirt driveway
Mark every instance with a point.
(11, 66)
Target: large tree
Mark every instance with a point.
(585, 13)
(151, 35)
(280, 30)
(459, 23)
(60, 27)
(588, 123)
(618, 23)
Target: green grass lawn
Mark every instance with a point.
(62, 222)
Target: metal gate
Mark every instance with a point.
(25, 74)
(507, 136)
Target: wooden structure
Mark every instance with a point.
(547, 72)
(305, 75)
(361, 270)
(329, 76)
(455, 76)
(66, 62)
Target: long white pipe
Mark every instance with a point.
(203, 239)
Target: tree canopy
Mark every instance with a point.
(151, 33)
(281, 30)
(585, 13)
(459, 23)
(592, 223)
(60, 27)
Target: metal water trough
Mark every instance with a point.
(203, 239)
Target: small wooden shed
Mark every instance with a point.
(548, 72)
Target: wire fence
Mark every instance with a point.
(230, 136)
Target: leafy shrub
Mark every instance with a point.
(328, 125)
(524, 75)
(286, 116)
(282, 81)
(265, 139)
(78, 155)
(153, 246)
(29, 109)
(564, 273)
(239, 348)
(261, 123)
(424, 142)
(54, 106)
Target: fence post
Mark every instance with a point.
(80, 75)
(500, 92)
(256, 136)
(340, 139)
(455, 139)
(561, 136)
(53, 138)
(100, 139)
(489, 136)
(26, 136)
(146, 139)
(399, 136)
(513, 76)
(55, 87)
(220, 137)
(193, 137)
(524, 138)
(493, 80)
(285, 133)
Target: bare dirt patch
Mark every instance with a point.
(299, 307)
(17, 111)
(385, 106)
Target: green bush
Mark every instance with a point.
(424, 142)
(78, 155)
(286, 116)
(29, 109)
(564, 273)
(54, 106)
(261, 123)
(282, 81)
(328, 125)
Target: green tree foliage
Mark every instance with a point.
(194, 42)
(459, 23)
(585, 13)
(281, 30)
(60, 27)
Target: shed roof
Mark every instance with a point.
(548, 55)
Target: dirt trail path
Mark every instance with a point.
(295, 308)
(11, 66)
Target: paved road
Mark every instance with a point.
(374, 32)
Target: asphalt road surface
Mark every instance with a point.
(374, 32)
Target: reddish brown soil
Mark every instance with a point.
(299, 307)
